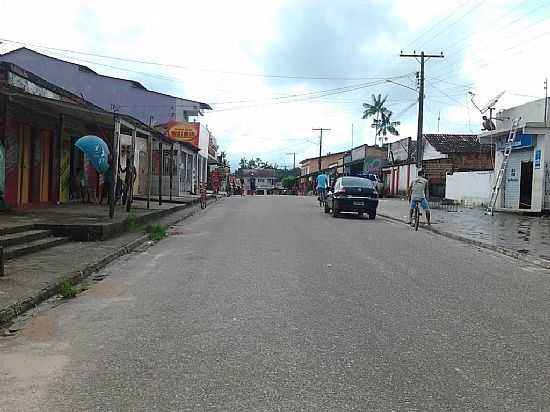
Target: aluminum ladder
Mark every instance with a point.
(500, 176)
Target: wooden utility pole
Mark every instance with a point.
(419, 135)
(293, 159)
(321, 129)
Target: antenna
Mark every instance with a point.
(491, 103)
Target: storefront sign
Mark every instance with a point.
(183, 132)
(522, 141)
(538, 155)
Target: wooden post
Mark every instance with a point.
(130, 171)
(114, 168)
(1, 261)
(150, 164)
(161, 164)
(171, 168)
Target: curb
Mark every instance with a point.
(23, 305)
(508, 252)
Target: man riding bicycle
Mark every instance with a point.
(322, 184)
(417, 193)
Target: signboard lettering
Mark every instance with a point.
(538, 155)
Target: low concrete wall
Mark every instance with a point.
(470, 188)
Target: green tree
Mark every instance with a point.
(375, 109)
(243, 163)
(385, 125)
(288, 182)
(222, 158)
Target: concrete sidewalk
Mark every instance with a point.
(33, 278)
(516, 235)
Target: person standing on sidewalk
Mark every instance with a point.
(252, 184)
(417, 193)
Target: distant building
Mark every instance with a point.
(265, 179)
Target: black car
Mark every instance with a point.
(352, 194)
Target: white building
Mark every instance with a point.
(264, 178)
(526, 183)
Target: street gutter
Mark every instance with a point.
(508, 252)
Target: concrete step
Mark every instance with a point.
(15, 228)
(34, 246)
(19, 238)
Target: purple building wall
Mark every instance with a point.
(129, 96)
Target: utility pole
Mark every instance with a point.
(545, 101)
(419, 135)
(321, 129)
(293, 159)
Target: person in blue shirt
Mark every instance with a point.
(322, 184)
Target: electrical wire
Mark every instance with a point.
(182, 67)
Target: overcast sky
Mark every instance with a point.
(262, 64)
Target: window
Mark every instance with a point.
(357, 182)
(166, 164)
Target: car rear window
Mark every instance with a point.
(357, 182)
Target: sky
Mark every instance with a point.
(273, 70)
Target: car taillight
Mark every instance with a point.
(341, 191)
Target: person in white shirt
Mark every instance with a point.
(417, 192)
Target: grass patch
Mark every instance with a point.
(67, 290)
(156, 231)
(133, 225)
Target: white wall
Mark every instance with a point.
(529, 112)
(471, 188)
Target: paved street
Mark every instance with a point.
(266, 303)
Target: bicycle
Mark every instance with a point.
(203, 198)
(322, 198)
(416, 214)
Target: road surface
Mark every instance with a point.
(266, 303)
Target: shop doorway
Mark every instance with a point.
(142, 173)
(526, 185)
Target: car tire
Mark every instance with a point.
(372, 215)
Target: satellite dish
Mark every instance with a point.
(490, 104)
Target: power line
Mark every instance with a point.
(468, 12)
(182, 67)
(451, 14)
(296, 100)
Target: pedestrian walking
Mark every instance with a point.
(252, 184)
(242, 186)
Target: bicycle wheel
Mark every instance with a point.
(416, 217)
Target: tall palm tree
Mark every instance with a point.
(386, 125)
(375, 109)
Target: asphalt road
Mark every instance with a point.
(266, 303)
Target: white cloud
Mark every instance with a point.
(490, 47)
